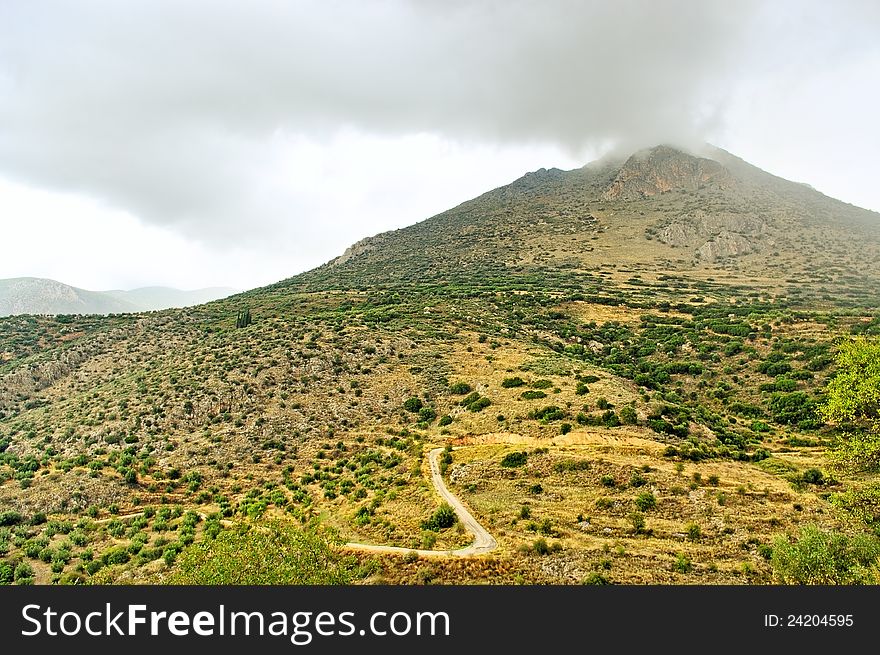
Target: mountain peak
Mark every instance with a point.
(665, 168)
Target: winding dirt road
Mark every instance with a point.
(483, 541)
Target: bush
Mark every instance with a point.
(277, 553)
(445, 420)
(427, 414)
(628, 415)
(7, 573)
(582, 389)
(460, 388)
(823, 558)
(549, 413)
(412, 405)
(444, 517)
(646, 501)
(596, 578)
(540, 547)
(813, 476)
(510, 383)
(682, 564)
(10, 517)
(532, 395)
(693, 531)
(470, 399)
(794, 409)
(24, 574)
(511, 460)
(479, 405)
(637, 520)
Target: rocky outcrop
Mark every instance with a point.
(725, 244)
(650, 172)
(361, 247)
(715, 236)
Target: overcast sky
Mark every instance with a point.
(214, 143)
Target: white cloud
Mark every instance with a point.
(282, 132)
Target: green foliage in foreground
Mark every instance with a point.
(826, 558)
(854, 392)
(854, 396)
(268, 553)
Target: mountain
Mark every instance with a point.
(29, 295)
(660, 210)
(615, 371)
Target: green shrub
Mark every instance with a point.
(460, 388)
(682, 564)
(532, 395)
(813, 476)
(818, 557)
(24, 573)
(275, 553)
(479, 405)
(412, 405)
(637, 520)
(7, 573)
(427, 414)
(10, 517)
(470, 399)
(445, 420)
(511, 460)
(646, 501)
(549, 413)
(510, 383)
(442, 518)
(628, 415)
(595, 578)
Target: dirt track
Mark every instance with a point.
(483, 541)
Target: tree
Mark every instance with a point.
(854, 393)
(853, 401)
(243, 319)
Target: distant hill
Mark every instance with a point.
(30, 295)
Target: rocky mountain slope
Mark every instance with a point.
(661, 210)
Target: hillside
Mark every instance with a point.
(28, 295)
(622, 365)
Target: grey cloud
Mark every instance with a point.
(168, 109)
